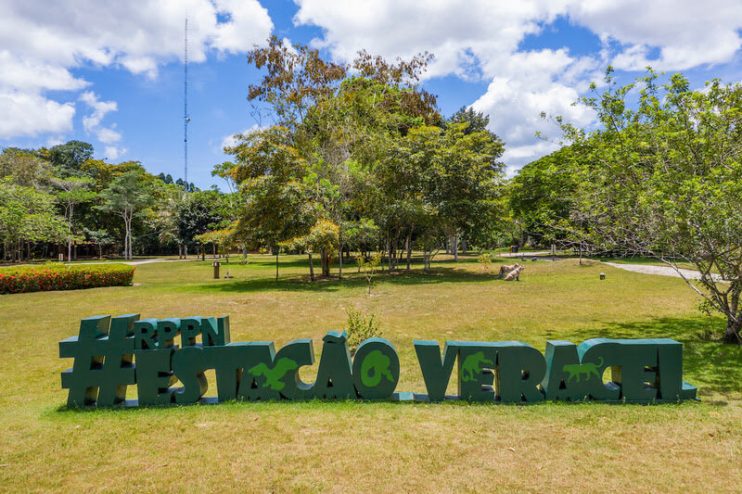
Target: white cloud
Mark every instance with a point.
(515, 101)
(464, 39)
(108, 135)
(100, 110)
(41, 43)
(93, 123)
(232, 139)
(29, 114)
(113, 153)
(481, 39)
(687, 33)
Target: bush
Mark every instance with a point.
(50, 277)
(485, 259)
(361, 327)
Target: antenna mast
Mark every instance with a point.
(186, 117)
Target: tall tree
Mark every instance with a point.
(73, 191)
(542, 197)
(127, 196)
(25, 168)
(27, 216)
(69, 156)
(477, 121)
(666, 180)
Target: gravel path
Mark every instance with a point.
(518, 255)
(130, 263)
(659, 270)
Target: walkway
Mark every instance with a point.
(660, 270)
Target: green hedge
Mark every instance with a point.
(49, 277)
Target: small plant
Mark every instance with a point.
(360, 327)
(485, 260)
(369, 266)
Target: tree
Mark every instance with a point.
(219, 239)
(199, 212)
(99, 238)
(477, 121)
(296, 78)
(542, 197)
(276, 205)
(25, 167)
(323, 237)
(368, 147)
(665, 180)
(127, 196)
(69, 156)
(73, 191)
(27, 215)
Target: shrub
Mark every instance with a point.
(485, 259)
(50, 277)
(360, 328)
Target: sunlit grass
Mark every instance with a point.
(383, 446)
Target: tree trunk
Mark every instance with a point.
(340, 261)
(311, 266)
(408, 248)
(734, 328)
(126, 238)
(455, 246)
(325, 261)
(276, 263)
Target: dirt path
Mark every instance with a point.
(659, 270)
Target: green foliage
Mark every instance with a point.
(485, 260)
(25, 168)
(476, 121)
(361, 327)
(128, 196)
(664, 179)
(90, 196)
(368, 152)
(542, 196)
(28, 215)
(369, 265)
(69, 157)
(324, 236)
(50, 277)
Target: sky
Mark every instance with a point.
(111, 73)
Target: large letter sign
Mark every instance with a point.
(112, 353)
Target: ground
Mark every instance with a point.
(382, 447)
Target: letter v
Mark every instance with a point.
(436, 368)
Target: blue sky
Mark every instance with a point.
(112, 74)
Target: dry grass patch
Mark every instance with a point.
(382, 447)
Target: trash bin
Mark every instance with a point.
(216, 270)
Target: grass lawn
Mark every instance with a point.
(380, 447)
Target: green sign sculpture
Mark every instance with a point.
(112, 353)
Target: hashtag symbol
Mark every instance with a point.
(103, 365)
